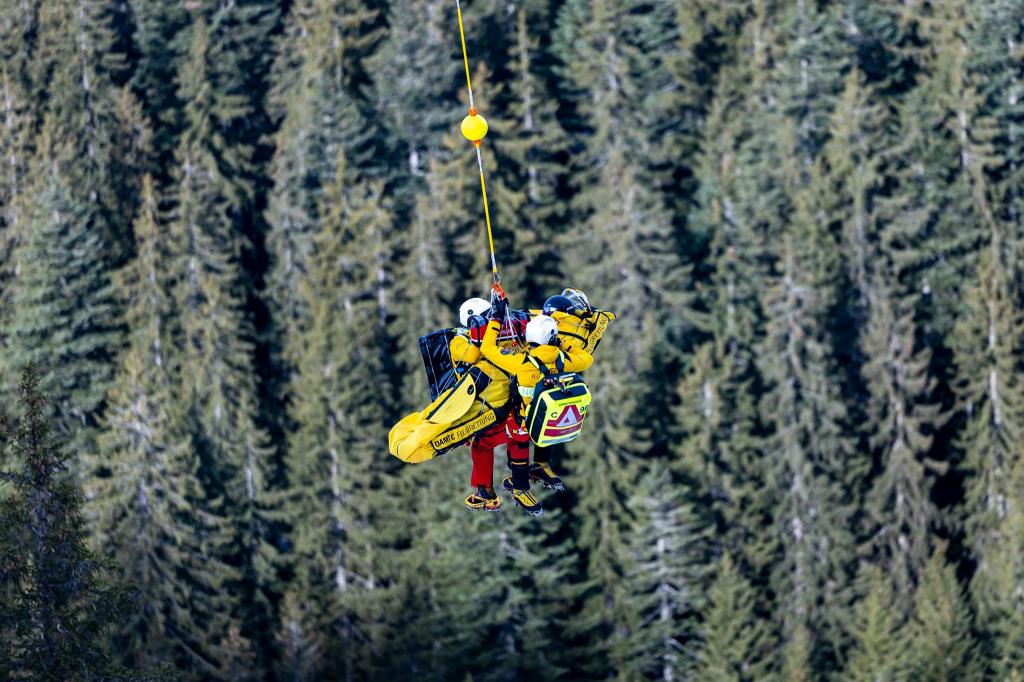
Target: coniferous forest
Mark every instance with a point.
(224, 224)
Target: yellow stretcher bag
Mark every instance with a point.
(456, 415)
(559, 406)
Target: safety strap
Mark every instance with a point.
(543, 369)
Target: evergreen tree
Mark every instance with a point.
(152, 516)
(901, 512)
(528, 145)
(879, 650)
(79, 42)
(160, 41)
(315, 95)
(940, 633)
(218, 391)
(416, 77)
(722, 410)
(812, 466)
(55, 594)
(902, 410)
(336, 485)
(735, 638)
(622, 256)
(15, 127)
(63, 312)
(664, 578)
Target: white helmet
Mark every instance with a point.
(472, 306)
(541, 330)
(577, 297)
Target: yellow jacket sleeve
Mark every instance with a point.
(577, 359)
(491, 351)
(463, 350)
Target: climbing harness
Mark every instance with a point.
(474, 129)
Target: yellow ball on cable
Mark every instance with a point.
(474, 127)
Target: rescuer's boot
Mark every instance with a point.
(524, 498)
(540, 472)
(483, 499)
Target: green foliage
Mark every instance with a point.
(734, 636)
(56, 598)
(879, 649)
(805, 214)
(63, 316)
(940, 634)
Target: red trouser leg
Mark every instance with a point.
(482, 449)
(518, 453)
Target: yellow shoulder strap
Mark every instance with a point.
(453, 403)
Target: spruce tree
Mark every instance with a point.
(337, 487)
(879, 650)
(218, 391)
(900, 510)
(63, 317)
(622, 255)
(160, 40)
(735, 639)
(56, 596)
(665, 578)
(940, 633)
(15, 126)
(528, 144)
(315, 95)
(79, 42)
(152, 516)
(811, 465)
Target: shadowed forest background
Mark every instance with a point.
(225, 223)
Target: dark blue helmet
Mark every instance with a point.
(560, 304)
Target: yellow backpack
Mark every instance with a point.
(559, 406)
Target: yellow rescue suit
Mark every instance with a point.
(457, 414)
(580, 331)
(518, 365)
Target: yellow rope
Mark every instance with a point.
(465, 54)
(479, 156)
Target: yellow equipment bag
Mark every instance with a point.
(559, 406)
(455, 416)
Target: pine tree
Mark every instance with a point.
(940, 633)
(665, 579)
(812, 466)
(54, 623)
(151, 515)
(79, 42)
(528, 145)
(316, 98)
(336, 483)
(64, 317)
(735, 638)
(879, 649)
(218, 391)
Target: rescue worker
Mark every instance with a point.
(464, 348)
(542, 347)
